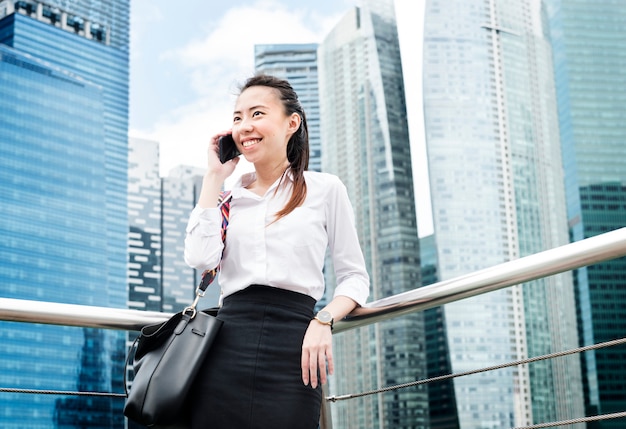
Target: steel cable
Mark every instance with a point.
(476, 371)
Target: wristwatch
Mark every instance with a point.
(325, 318)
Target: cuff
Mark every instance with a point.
(355, 289)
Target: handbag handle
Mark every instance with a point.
(209, 275)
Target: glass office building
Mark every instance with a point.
(497, 194)
(159, 208)
(365, 142)
(102, 64)
(588, 47)
(145, 226)
(181, 190)
(63, 211)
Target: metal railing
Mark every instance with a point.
(603, 247)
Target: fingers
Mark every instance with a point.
(329, 360)
(317, 360)
(221, 134)
(304, 363)
(321, 359)
(213, 150)
(214, 163)
(214, 144)
(310, 368)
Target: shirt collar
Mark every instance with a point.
(248, 178)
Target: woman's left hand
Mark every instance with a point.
(317, 353)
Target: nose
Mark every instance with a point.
(245, 125)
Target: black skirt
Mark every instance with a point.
(253, 377)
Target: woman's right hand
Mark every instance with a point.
(214, 165)
(216, 173)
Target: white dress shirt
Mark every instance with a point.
(288, 253)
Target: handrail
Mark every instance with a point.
(610, 245)
(603, 247)
(54, 313)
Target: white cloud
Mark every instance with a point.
(240, 28)
(226, 54)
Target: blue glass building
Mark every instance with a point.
(63, 210)
(497, 191)
(588, 48)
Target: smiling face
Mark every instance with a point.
(261, 128)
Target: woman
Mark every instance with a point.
(273, 352)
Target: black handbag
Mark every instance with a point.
(167, 357)
(166, 361)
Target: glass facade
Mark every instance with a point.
(441, 400)
(365, 141)
(63, 212)
(107, 67)
(145, 228)
(181, 190)
(497, 194)
(587, 38)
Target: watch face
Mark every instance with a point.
(324, 317)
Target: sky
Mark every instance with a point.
(186, 64)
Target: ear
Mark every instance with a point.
(294, 122)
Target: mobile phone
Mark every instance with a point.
(227, 148)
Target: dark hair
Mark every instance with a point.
(298, 145)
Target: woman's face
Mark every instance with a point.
(261, 129)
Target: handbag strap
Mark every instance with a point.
(209, 275)
(131, 350)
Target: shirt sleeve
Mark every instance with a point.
(350, 271)
(203, 238)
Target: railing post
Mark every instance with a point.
(326, 421)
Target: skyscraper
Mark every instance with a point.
(298, 64)
(497, 194)
(63, 213)
(181, 190)
(159, 207)
(145, 226)
(365, 142)
(587, 38)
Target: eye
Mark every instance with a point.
(257, 113)
(236, 119)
